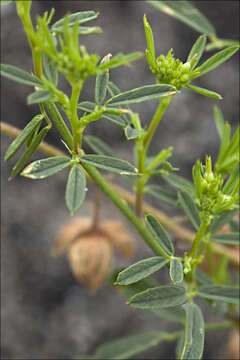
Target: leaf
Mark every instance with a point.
(219, 120)
(59, 123)
(128, 346)
(19, 75)
(109, 163)
(98, 146)
(173, 314)
(39, 96)
(23, 136)
(205, 92)
(159, 297)
(50, 70)
(190, 208)
(41, 169)
(116, 119)
(164, 194)
(5, 2)
(232, 180)
(179, 182)
(176, 271)
(202, 277)
(160, 234)
(135, 288)
(86, 106)
(180, 344)
(76, 189)
(149, 37)
(131, 133)
(162, 156)
(227, 294)
(187, 13)
(114, 90)
(87, 30)
(140, 270)
(144, 93)
(120, 59)
(80, 17)
(197, 51)
(101, 86)
(227, 238)
(214, 61)
(194, 334)
(29, 152)
(222, 220)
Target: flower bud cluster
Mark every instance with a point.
(169, 70)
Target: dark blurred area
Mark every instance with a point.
(46, 314)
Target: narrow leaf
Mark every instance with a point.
(127, 347)
(187, 13)
(98, 146)
(160, 233)
(140, 270)
(164, 194)
(120, 59)
(159, 297)
(197, 51)
(216, 60)
(190, 208)
(222, 220)
(29, 152)
(20, 76)
(179, 182)
(228, 238)
(39, 96)
(76, 189)
(109, 163)
(149, 37)
(41, 169)
(80, 17)
(86, 106)
(23, 136)
(204, 92)
(59, 123)
(227, 294)
(50, 70)
(176, 271)
(101, 86)
(173, 314)
(144, 93)
(219, 120)
(194, 334)
(202, 277)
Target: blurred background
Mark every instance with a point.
(46, 314)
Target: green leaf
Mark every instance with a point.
(128, 346)
(194, 334)
(41, 169)
(180, 344)
(180, 183)
(59, 123)
(140, 270)
(98, 146)
(109, 163)
(80, 17)
(202, 277)
(149, 37)
(50, 70)
(228, 238)
(232, 180)
(87, 30)
(19, 75)
(116, 119)
(197, 51)
(5, 2)
(29, 152)
(76, 189)
(164, 194)
(101, 86)
(162, 156)
(173, 314)
(222, 220)
(176, 271)
(23, 136)
(219, 120)
(227, 294)
(160, 233)
(131, 133)
(39, 96)
(86, 106)
(205, 92)
(144, 93)
(120, 59)
(159, 297)
(219, 58)
(187, 13)
(135, 288)
(114, 90)
(190, 208)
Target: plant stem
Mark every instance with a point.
(77, 135)
(220, 325)
(136, 222)
(201, 232)
(181, 232)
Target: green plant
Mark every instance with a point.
(209, 202)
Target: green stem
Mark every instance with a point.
(165, 101)
(128, 213)
(200, 234)
(220, 325)
(77, 135)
